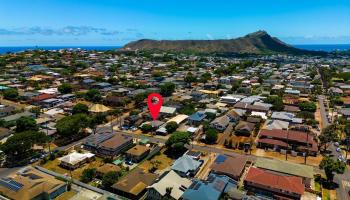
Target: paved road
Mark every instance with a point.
(321, 100)
(341, 179)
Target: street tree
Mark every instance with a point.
(328, 134)
(331, 166)
(171, 127)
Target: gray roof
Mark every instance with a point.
(185, 163)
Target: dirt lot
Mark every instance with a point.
(164, 162)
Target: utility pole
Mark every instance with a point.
(307, 146)
(47, 134)
(287, 145)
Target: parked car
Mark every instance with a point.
(338, 149)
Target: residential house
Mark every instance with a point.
(186, 166)
(249, 107)
(75, 159)
(244, 128)
(220, 123)
(134, 184)
(273, 185)
(115, 145)
(286, 116)
(196, 118)
(235, 114)
(279, 139)
(231, 166)
(210, 189)
(169, 179)
(108, 167)
(29, 183)
(305, 172)
(137, 153)
(167, 111)
(277, 124)
(6, 110)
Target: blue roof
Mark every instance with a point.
(197, 116)
(88, 81)
(211, 189)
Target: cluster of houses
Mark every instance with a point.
(240, 115)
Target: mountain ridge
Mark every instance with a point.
(259, 42)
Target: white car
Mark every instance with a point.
(338, 149)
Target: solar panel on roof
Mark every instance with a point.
(11, 184)
(220, 159)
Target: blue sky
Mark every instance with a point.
(116, 22)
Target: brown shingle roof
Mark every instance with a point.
(230, 165)
(135, 182)
(137, 150)
(116, 141)
(108, 168)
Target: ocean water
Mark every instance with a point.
(4, 50)
(324, 47)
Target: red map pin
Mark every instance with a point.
(154, 102)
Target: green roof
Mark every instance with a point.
(285, 167)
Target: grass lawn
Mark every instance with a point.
(165, 162)
(66, 195)
(54, 166)
(325, 194)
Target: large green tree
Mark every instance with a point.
(88, 175)
(11, 94)
(65, 88)
(276, 101)
(211, 136)
(19, 146)
(307, 106)
(330, 166)
(93, 95)
(171, 127)
(176, 142)
(26, 124)
(167, 89)
(71, 125)
(80, 108)
(328, 134)
(109, 179)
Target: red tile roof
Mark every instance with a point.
(272, 141)
(42, 97)
(282, 182)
